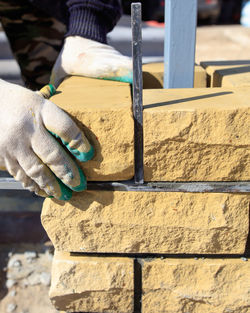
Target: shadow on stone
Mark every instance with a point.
(158, 104)
(150, 81)
(247, 250)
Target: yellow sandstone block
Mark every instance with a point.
(228, 73)
(195, 286)
(197, 134)
(103, 110)
(153, 76)
(189, 134)
(148, 222)
(200, 77)
(92, 284)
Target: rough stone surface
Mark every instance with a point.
(148, 222)
(197, 134)
(103, 110)
(153, 76)
(196, 286)
(228, 73)
(92, 284)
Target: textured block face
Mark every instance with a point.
(228, 73)
(148, 222)
(153, 76)
(195, 286)
(92, 284)
(103, 110)
(197, 134)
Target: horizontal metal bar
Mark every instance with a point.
(224, 187)
(198, 187)
(242, 256)
(10, 184)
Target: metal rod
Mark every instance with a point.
(191, 187)
(179, 43)
(10, 184)
(197, 187)
(137, 91)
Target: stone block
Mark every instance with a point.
(228, 73)
(195, 286)
(153, 76)
(197, 134)
(200, 77)
(148, 222)
(103, 110)
(92, 284)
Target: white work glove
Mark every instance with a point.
(85, 57)
(28, 147)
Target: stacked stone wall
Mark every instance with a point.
(165, 252)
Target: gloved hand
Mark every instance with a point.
(28, 147)
(85, 57)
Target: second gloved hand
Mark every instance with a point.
(28, 147)
(85, 57)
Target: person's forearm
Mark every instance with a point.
(93, 19)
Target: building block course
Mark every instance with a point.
(123, 251)
(227, 73)
(92, 284)
(195, 286)
(189, 134)
(197, 134)
(148, 222)
(153, 74)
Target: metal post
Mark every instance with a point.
(137, 91)
(10, 184)
(179, 43)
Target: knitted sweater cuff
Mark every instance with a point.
(86, 23)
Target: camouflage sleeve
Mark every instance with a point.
(35, 38)
(36, 29)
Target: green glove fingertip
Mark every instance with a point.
(123, 79)
(66, 193)
(81, 156)
(52, 89)
(47, 91)
(83, 183)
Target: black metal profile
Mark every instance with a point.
(197, 187)
(137, 91)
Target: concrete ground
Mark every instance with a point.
(25, 278)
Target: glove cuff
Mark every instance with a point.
(86, 23)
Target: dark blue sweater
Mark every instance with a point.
(91, 19)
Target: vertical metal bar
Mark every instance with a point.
(137, 91)
(179, 43)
